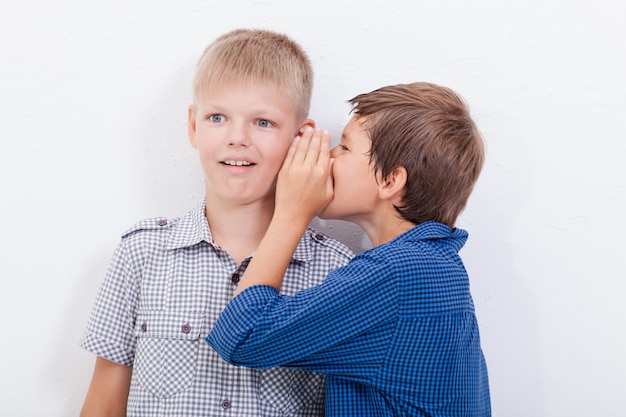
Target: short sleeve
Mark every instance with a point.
(110, 329)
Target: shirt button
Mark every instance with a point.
(319, 236)
(144, 327)
(186, 328)
(226, 404)
(234, 278)
(162, 222)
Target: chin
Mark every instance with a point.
(329, 213)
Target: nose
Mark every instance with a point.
(239, 135)
(333, 151)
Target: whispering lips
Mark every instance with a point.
(237, 163)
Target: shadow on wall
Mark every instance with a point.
(347, 232)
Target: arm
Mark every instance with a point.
(304, 188)
(342, 326)
(108, 392)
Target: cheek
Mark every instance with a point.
(347, 169)
(204, 150)
(277, 152)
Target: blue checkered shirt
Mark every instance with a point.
(394, 330)
(165, 287)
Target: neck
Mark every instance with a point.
(382, 229)
(238, 228)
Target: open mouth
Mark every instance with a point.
(234, 163)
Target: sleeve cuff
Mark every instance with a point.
(107, 349)
(238, 320)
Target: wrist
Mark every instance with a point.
(290, 222)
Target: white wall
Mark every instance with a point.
(93, 99)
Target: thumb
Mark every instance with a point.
(330, 182)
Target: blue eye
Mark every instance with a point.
(216, 118)
(264, 123)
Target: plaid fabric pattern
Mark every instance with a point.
(165, 287)
(394, 331)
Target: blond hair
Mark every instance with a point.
(253, 55)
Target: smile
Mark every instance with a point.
(237, 163)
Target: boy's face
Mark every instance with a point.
(242, 134)
(355, 186)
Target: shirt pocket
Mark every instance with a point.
(291, 390)
(167, 351)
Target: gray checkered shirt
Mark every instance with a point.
(165, 287)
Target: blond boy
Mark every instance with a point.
(170, 278)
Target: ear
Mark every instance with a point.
(307, 122)
(191, 126)
(391, 188)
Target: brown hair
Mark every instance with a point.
(254, 55)
(427, 129)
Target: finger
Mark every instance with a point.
(291, 152)
(331, 163)
(313, 151)
(302, 146)
(330, 182)
(324, 156)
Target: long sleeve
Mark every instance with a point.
(342, 326)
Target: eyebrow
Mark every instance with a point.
(262, 112)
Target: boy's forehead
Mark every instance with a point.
(355, 133)
(269, 89)
(219, 86)
(355, 126)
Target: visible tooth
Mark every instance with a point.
(237, 163)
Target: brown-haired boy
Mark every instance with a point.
(170, 278)
(395, 330)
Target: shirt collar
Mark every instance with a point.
(432, 230)
(190, 229)
(193, 228)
